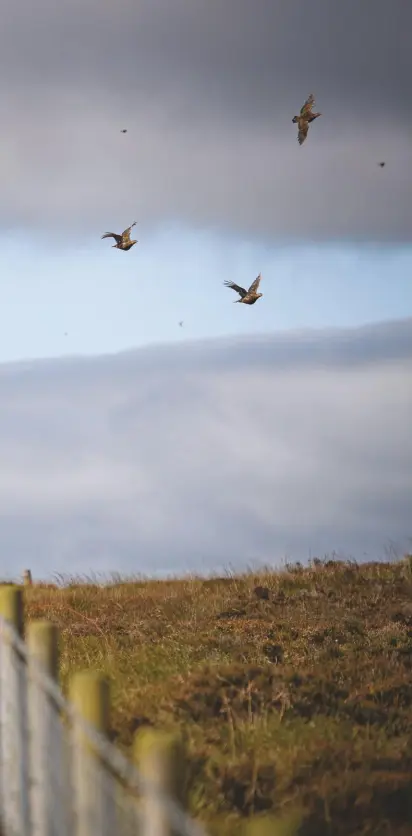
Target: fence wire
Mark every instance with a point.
(58, 775)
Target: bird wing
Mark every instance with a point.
(303, 131)
(114, 235)
(307, 107)
(126, 233)
(254, 286)
(241, 290)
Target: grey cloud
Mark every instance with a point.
(207, 91)
(233, 51)
(207, 455)
(295, 350)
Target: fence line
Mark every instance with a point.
(60, 775)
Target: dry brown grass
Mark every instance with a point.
(298, 692)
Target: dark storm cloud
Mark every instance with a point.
(207, 91)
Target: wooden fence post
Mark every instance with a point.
(27, 578)
(43, 645)
(11, 606)
(49, 792)
(160, 759)
(93, 783)
(14, 773)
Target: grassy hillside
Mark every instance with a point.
(292, 687)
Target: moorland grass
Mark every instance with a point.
(291, 688)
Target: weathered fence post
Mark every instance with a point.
(93, 784)
(160, 759)
(14, 776)
(49, 793)
(27, 578)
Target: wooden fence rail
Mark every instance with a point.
(59, 773)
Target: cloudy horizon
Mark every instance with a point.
(216, 440)
(205, 457)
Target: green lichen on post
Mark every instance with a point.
(43, 652)
(286, 825)
(160, 759)
(89, 692)
(43, 645)
(94, 796)
(11, 606)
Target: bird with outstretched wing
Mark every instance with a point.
(123, 241)
(306, 116)
(250, 296)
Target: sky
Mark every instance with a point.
(242, 452)
(210, 169)
(71, 307)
